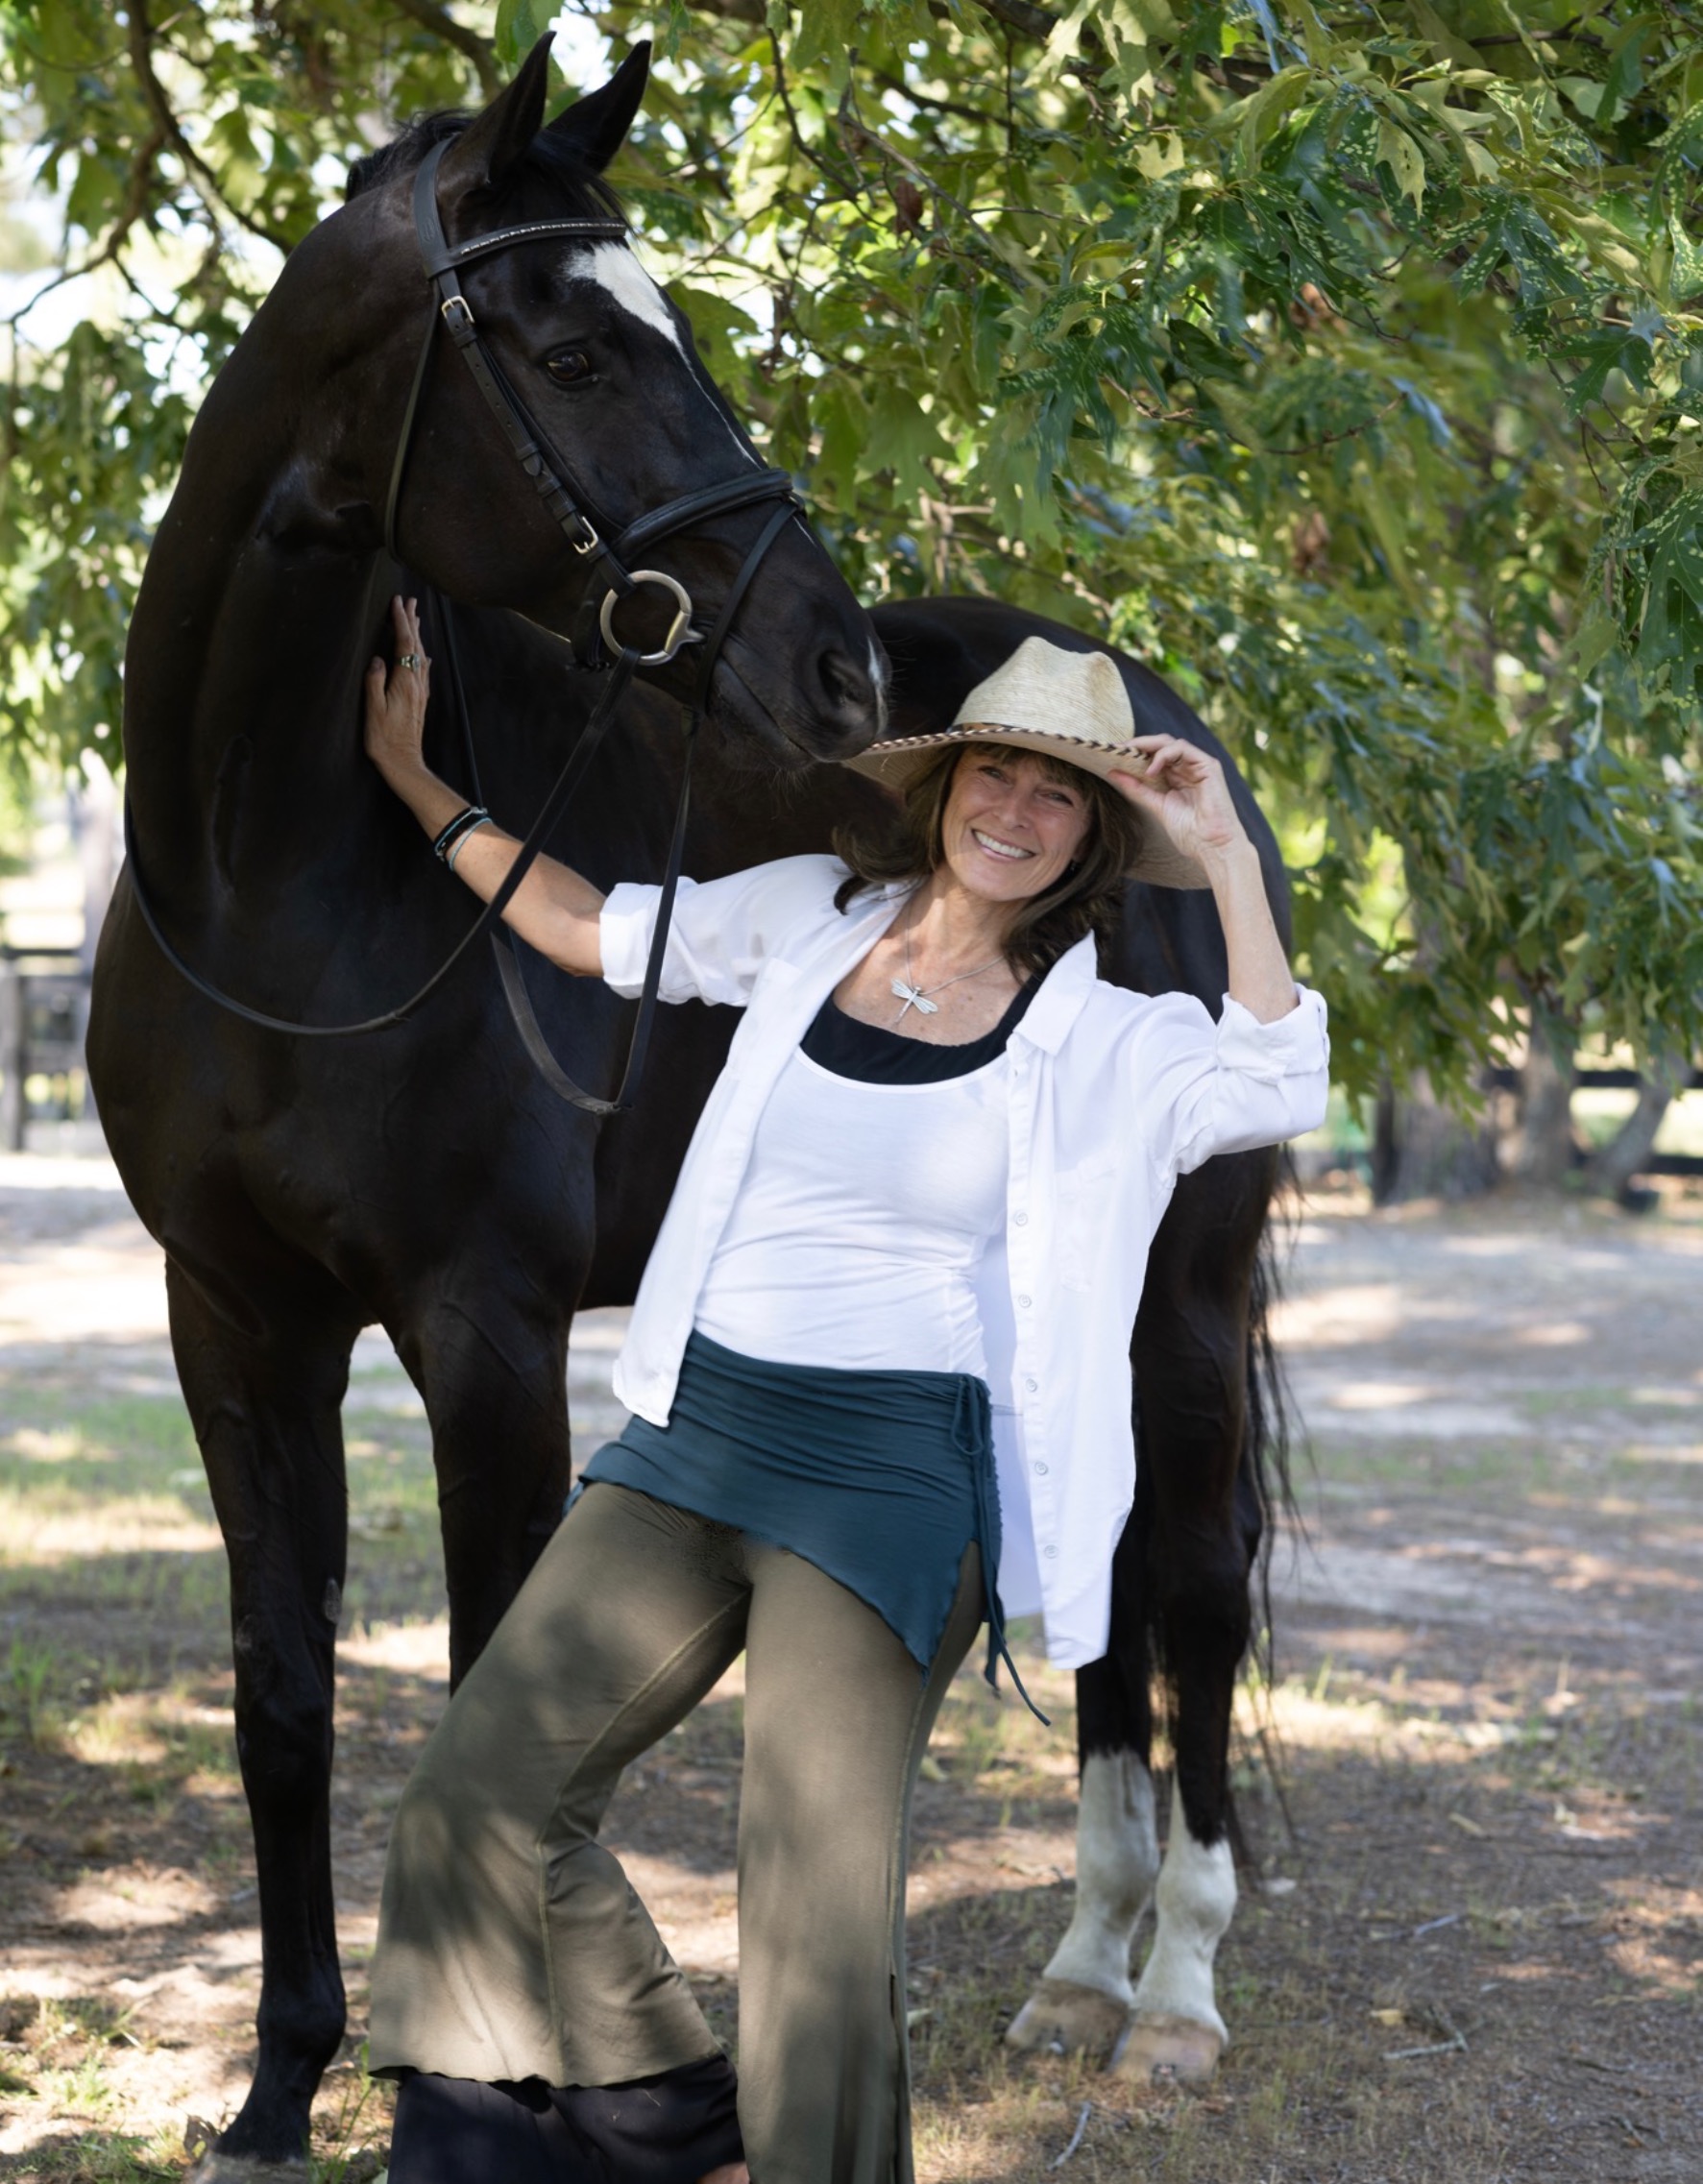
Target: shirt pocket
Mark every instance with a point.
(1085, 1195)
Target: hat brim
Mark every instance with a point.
(897, 762)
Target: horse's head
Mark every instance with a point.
(602, 364)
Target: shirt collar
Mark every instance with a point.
(1049, 1016)
(1059, 1004)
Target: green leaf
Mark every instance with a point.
(1670, 641)
(1612, 350)
(1685, 276)
(519, 29)
(1406, 162)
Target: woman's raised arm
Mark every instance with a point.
(1185, 792)
(553, 909)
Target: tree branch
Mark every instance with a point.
(207, 182)
(1020, 15)
(443, 25)
(916, 98)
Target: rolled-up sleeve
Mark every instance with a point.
(722, 933)
(1230, 1086)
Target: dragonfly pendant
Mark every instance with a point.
(914, 998)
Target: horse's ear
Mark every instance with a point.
(597, 126)
(494, 141)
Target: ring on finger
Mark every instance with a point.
(408, 660)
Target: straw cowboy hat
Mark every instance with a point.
(1070, 705)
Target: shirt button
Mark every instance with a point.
(1051, 1554)
(1032, 1385)
(1040, 1470)
(1020, 1220)
(1023, 1304)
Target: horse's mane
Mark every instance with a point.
(548, 158)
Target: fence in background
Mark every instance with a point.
(43, 1016)
(1621, 1081)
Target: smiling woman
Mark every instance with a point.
(879, 1384)
(1066, 882)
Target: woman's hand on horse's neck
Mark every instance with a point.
(554, 911)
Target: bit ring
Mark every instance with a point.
(680, 629)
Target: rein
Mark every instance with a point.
(609, 580)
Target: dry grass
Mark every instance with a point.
(1492, 1767)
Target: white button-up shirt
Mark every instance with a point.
(1114, 1095)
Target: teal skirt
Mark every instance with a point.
(882, 1480)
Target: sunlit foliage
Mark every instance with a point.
(1343, 360)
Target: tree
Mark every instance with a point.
(1346, 360)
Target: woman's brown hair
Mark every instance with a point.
(1085, 900)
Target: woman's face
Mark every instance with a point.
(1011, 828)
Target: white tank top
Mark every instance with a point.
(858, 1234)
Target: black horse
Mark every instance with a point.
(427, 1180)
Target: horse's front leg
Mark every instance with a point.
(263, 1379)
(490, 1358)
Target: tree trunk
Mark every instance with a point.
(1612, 1167)
(1422, 1150)
(1547, 1152)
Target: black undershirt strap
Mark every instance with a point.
(848, 1047)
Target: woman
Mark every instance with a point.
(921, 1191)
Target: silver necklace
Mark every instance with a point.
(914, 996)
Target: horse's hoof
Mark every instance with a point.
(216, 2167)
(1167, 2050)
(1062, 2019)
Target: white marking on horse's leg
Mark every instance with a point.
(1193, 1903)
(1117, 1859)
(614, 268)
(1081, 2004)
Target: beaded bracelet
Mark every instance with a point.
(463, 823)
(464, 837)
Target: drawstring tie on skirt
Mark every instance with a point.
(880, 1478)
(972, 1436)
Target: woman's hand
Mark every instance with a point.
(552, 908)
(397, 700)
(1185, 792)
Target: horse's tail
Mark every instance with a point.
(1124, 1697)
(1265, 1491)
(1268, 1442)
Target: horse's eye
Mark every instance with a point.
(569, 367)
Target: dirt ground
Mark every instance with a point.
(1471, 1951)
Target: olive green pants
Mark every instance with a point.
(511, 1944)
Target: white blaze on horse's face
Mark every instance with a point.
(616, 271)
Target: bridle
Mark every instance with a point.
(607, 554)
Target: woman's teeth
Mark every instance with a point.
(999, 848)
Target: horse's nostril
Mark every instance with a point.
(845, 683)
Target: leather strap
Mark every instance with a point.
(505, 943)
(566, 782)
(605, 573)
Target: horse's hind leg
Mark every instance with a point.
(1084, 1998)
(1196, 1534)
(263, 1385)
